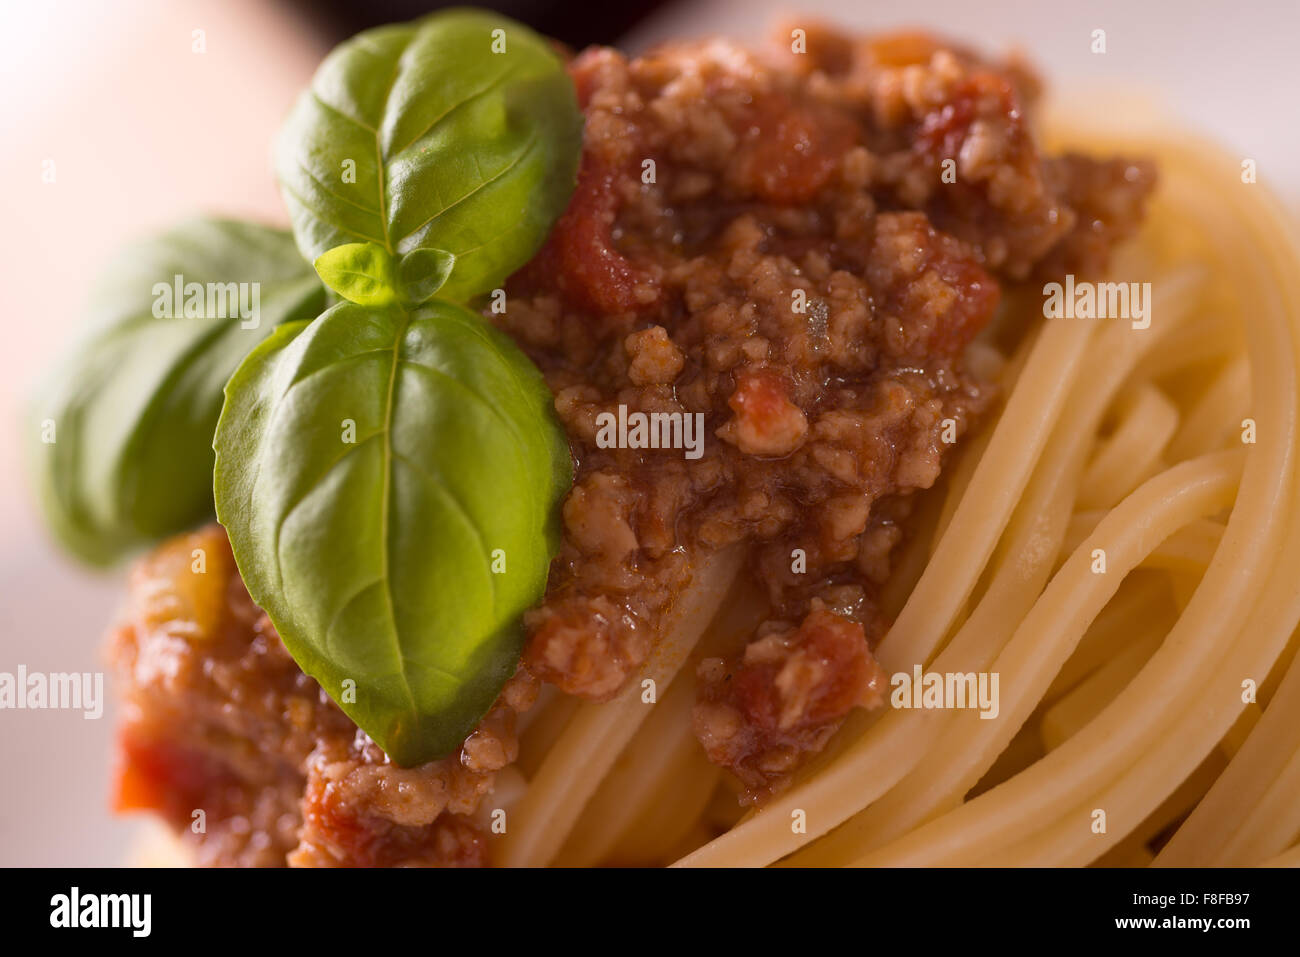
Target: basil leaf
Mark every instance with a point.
(359, 272)
(436, 133)
(370, 465)
(423, 272)
(131, 412)
(364, 273)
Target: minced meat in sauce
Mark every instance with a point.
(799, 247)
(220, 719)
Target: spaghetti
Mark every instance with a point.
(1166, 454)
(828, 638)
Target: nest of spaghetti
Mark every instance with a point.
(911, 481)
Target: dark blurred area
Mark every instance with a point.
(576, 23)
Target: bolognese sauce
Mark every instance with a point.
(798, 246)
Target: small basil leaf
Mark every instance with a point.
(372, 466)
(360, 273)
(131, 412)
(459, 131)
(423, 272)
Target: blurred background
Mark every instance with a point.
(143, 131)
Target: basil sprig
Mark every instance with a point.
(121, 435)
(389, 475)
(389, 472)
(459, 132)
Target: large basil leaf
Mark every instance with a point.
(369, 465)
(133, 409)
(420, 135)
